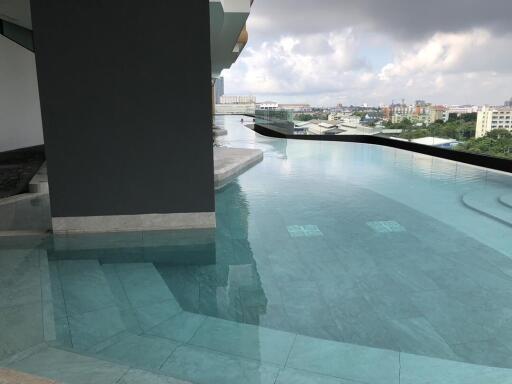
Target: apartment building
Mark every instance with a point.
(490, 118)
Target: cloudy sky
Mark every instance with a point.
(325, 52)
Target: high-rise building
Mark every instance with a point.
(508, 103)
(219, 89)
(237, 100)
(490, 118)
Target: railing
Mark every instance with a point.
(494, 150)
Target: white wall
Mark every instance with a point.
(20, 113)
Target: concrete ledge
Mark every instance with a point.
(219, 132)
(232, 162)
(22, 197)
(39, 183)
(128, 223)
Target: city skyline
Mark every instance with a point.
(373, 52)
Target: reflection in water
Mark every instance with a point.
(143, 283)
(214, 287)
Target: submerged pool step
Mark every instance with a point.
(506, 200)
(141, 325)
(91, 311)
(490, 205)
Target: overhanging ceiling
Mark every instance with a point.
(16, 12)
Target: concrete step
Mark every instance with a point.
(232, 162)
(506, 200)
(139, 289)
(91, 310)
(489, 205)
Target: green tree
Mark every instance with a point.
(497, 142)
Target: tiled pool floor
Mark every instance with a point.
(313, 275)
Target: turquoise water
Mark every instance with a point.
(331, 263)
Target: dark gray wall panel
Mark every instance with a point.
(125, 98)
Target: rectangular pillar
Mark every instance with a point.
(125, 90)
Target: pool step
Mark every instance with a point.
(489, 205)
(139, 290)
(91, 310)
(506, 200)
(176, 344)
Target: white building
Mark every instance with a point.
(237, 99)
(268, 106)
(462, 109)
(490, 118)
(436, 142)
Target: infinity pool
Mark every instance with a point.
(331, 263)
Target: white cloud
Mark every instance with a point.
(471, 66)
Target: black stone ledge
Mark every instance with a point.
(490, 162)
(17, 167)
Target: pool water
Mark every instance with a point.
(331, 263)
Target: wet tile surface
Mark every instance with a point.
(373, 284)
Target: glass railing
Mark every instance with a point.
(462, 135)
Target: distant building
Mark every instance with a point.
(296, 107)
(508, 103)
(238, 99)
(490, 118)
(268, 106)
(436, 142)
(459, 110)
(271, 105)
(438, 112)
(219, 89)
(235, 109)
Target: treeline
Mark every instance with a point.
(460, 129)
(497, 142)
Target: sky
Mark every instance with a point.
(325, 52)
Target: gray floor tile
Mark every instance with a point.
(152, 315)
(456, 323)
(202, 366)
(180, 327)
(19, 277)
(417, 336)
(424, 370)
(84, 286)
(67, 367)
(21, 327)
(144, 352)
(137, 376)
(489, 352)
(143, 284)
(244, 340)
(91, 328)
(294, 376)
(345, 361)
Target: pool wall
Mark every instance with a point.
(495, 163)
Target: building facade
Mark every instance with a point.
(218, 89)
(490, 118)
(238, 100)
